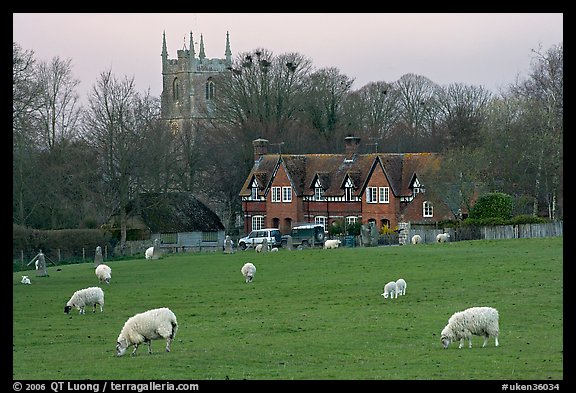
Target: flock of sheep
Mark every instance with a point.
(161, 323)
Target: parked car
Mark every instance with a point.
(272, 235)
(306, 235)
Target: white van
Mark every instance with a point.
(272, 235)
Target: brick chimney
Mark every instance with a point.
(351, 146)
(260, 148)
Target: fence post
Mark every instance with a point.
(106, 251)
(22, 258)
(59, 256)
(83, 254)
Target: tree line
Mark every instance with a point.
(74, 166)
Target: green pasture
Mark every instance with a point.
(310, 314)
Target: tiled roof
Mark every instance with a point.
(333, 169)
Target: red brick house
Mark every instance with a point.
(283, 190)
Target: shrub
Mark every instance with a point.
(496, 205)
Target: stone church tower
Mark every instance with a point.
(188, 84)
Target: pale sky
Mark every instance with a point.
(480, 49)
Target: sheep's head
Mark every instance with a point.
(445, 341)
(121, 346)
(385, 294)
(67, 309)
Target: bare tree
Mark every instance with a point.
(114, 124)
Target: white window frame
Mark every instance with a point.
(318, 191)
(427, 209)
(321, 220)
(276, 194)
(286, 194)
(383, 194)
(371, 195)
(257, 223)
(351, 220)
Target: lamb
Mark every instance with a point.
(442, 237)
(25, 280)
(332, 243)
(104, 273)
(85, 298)
(391, 290)
(154, 324)
(401, 286)
(149, 253)
(416, 239)
(248, 271)
(477, 321)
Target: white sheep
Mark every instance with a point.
(25, 280)
(248, 271)
(104, 273)
(443, 237)
(155, 324)
(477, 321)
(86, 297)
(390, 290)
(416, 239)
(401, 286)
(274, 249)
(149, 253)
(332, 243)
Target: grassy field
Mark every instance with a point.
(308, 315)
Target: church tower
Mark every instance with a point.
(188, 83)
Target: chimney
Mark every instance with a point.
(351, 146)
(260, 148)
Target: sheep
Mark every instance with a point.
(274, 249)
(477, 321)
(442, 237)
(25, 280)
(248, 271)
(154, 324)
(84, 298)
(401, 286)
(416, 239)
(149, 253)
(390, 290)
(104, 273)
(332, 243)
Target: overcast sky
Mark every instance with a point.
(481, 49)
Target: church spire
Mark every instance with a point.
(164, 50)
(192, 52)
(202, 55)
(228, 52)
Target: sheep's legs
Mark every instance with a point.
(168, 341)
(496, 340)
(134, 351)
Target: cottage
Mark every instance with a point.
(382, 188)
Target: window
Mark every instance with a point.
(321, 220)
(175, 89)
(275, 194)
(384, 194)
(257, 222)
(254, 194)
(318, 191)
(209, 89)
(371, 195)
(286, 194)
(349, 190)
(209, 236)
(351, 220)
(427, 209)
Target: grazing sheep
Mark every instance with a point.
(332, 243)
(149, 253)
(274, 249)
(248, 271)
(416, 239)
(155, 324)
(401, 286)
(390, 290)
(477, 321)
(104, 273)
(25, 280)
(443, 237)
(85, 298)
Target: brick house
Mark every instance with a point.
(283, 190)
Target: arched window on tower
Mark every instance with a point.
(176, 89)
(210, 89)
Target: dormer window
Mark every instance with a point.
(254, 188)
(417, 187)
(349, 190)
(318, 191)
